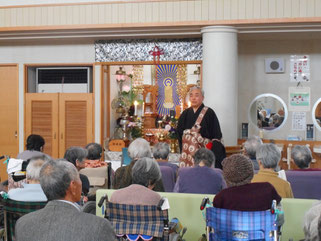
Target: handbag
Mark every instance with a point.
(192, 141)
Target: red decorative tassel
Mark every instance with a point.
(209, 145)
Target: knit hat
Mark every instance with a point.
(237, 170)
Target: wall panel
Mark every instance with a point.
(156, 12)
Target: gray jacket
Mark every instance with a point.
(60, 221)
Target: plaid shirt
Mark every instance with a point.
(240, 225)
(137, 219)
(13, 210)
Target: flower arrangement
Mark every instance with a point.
(171, 128)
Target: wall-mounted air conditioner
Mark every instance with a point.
(63, 79)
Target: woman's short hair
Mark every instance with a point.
(204, 155)
(35, 142)
(75, 153)
(269, 155)
(301, 156)
(161, 150)
(34, 167)
(251, 145)
(55, 178)
(146, 172)
(312, 222)
(94, 151)
(139, 148)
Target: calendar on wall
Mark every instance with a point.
(300, 68)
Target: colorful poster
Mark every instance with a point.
(167, 98)
(300, 68)
(299, 98)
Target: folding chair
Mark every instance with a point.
(13, 210)
(224, 224)
(137, 222)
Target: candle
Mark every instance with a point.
(143, 111)
(189, 104)
(135, 104)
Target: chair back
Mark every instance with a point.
(168, 178)
(13, 210)
(202, 180)
(98, 176)
(305, 184)
(171, 165)
(137, 219)
(240, 225)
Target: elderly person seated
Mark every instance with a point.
(241, 194)
(94, 151)
(202, 178)
(77, 156)
(312, 223)
(139, 148)
(31, 191)
(268, 156)
(302, 157)
(145, 173)
(161, 153)
(62, 219)
(34, 148)
(250, 147)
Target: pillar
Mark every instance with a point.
(220, 60)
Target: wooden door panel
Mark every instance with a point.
(9, 114)
(75, 120)
(42, 119)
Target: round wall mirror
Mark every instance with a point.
(268, 112)
(316, 114)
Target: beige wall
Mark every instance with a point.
(254, 81)
(50, 52)
(162, 12)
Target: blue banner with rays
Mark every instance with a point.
(167, 98)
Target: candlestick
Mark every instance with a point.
(143, 111)
(135, 104)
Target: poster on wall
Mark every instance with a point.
(300, 68)
(298, 121)
(299, 98)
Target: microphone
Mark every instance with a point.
(1, 157)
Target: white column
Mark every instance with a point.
(220, 59)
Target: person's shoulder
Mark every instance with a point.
(31, 216)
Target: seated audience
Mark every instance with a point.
(268, 156)
(302, 157)
(137, 149)
(161, 153)
(250, 147)
(145, 173)
(31, 191)
(202, 178)
(77, 156)
(61, 218)
(312, 223)
(94, 155)
(34, 148)
(241, 194)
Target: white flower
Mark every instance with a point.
(168, 127)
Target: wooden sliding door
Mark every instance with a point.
(75, 121)
(42, 119)
(9, 114)
(64, 120)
